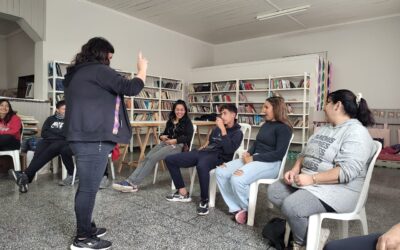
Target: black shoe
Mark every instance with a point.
(178, 197)
(91, 243)
(99, 231)
(202, 209)
(21, 179)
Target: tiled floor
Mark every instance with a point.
(44, 218)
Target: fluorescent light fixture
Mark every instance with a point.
(282, 12)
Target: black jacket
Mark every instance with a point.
(91, 91)
(182, 132)
(53, 128)
(225, 145)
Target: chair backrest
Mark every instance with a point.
(283, 163)
(364, 191)
(194, 132)
(246, 129)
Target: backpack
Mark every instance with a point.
(274, 232)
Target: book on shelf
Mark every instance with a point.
(255, 120)
(287, 84)
(246, 85)
(298, 122)
(242, 97)
(59, 97)
(128, 103)
(145, 104)
(247, 108)
(199, 98)
(146, 117)
(301, 83)
(167, 84)
(224, 86)
(199, 108)
(148, 93)
(58, 69)
(222, 98)
(59, 84)
(199, 87)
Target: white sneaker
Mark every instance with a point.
(297, 246)
(323, 238)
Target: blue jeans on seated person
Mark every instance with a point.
(235, 189)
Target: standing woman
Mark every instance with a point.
(10, 127)
(96, 119)
(178, 132)
(261, 161)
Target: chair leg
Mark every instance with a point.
(364, 223)
(213, 188)
(73, 176)
(251, 211)
(192, 178)
(112, 168)
(344, 229)
(287, 234)
(314, 232)
(155, 173)
(16, 161)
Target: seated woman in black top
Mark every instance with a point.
(177, 133)
(262, 161)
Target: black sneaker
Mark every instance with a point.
(99, 231)
(21, 179)
(178, 197)
(202, 209)
(91, 243)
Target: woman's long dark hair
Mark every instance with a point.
(172, 115)
(360, 110)
(95, 50)
(10, 113)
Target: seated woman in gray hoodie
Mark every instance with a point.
(329, 173)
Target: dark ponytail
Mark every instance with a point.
(364, 115)
(359, 110)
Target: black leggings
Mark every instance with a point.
(46, 150)
(91, 160)
(367, 242)
(8, 142)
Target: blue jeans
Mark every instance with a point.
(235, 189)
(91, 161)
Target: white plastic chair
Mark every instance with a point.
(190, 148)
(254, 189)
(315, 221)
(15, 153)
(246, 129)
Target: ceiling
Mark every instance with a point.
(222, 21)
(7, 27)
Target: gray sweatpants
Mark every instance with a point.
(297, 205)
(156, 154)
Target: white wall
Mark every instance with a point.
(72, 23)
(3, 63)
(365, 56)
(20, 57)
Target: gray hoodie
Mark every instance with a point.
(348, 145)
